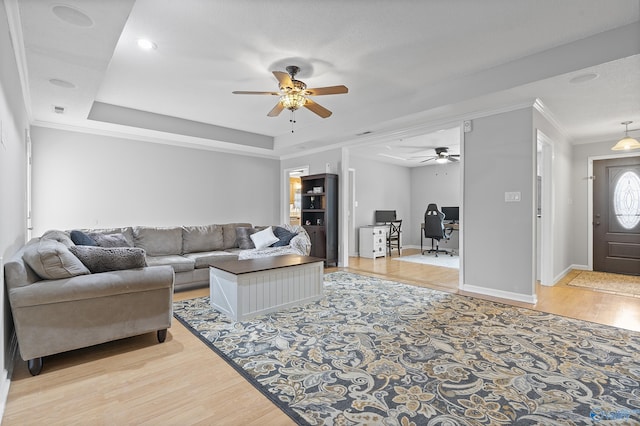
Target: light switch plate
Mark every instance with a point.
(512, 197)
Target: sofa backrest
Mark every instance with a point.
(203, 238)
(158, 241)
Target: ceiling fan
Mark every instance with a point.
(294, 93)
(442, 156)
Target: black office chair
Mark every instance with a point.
(393, 237)
(434, 229)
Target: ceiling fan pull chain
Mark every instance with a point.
(292, 120)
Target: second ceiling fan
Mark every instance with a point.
(443, 156)
(294, 93)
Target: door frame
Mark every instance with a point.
(286, 173)
(590, 161)
(547, 222)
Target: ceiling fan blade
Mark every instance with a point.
(276, 110)
(453, 160)
(428, 159)
(243, 92)
(331, 90)
(316, 108)
(283, 79)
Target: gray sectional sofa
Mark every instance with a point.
(60, 303)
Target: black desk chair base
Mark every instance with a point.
(435, 248)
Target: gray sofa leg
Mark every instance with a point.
(162, 335)
(35, 366)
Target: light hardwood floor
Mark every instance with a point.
(138, 381)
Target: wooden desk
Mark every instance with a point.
(447, 227)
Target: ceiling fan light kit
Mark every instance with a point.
(442, 156)
(294, 94)
(627, 142)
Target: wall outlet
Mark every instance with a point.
(512, 197)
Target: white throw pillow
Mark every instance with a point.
(264, 238)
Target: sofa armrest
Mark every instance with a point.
(92, 286)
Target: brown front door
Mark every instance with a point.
(616, 215)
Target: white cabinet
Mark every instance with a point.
(373, 241)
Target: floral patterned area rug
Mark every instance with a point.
(380, 352)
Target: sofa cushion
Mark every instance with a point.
(59, 236)
(204, 259)
(127, 231)
(52, 260)
(264, 238)
(158, 241)
(179, 263)
(104, 259)
(79, 238)
(229, 234)
(243, 237)
(202, 238)
(109, 240)
(284, 236)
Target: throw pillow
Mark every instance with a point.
(52, 260)
(79, 238)
(284, 236)
(264, 238)
(105, 259)
(109, 240)
(243, 237)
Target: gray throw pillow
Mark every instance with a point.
(52, 260)
(105, 259)
(109, 240)
(243, 237)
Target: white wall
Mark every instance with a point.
(499, 156)
(84, 180)
(440, 184)
(14, 122)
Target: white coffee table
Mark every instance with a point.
(242, 289)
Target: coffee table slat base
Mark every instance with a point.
(243, 296)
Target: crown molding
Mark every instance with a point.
(17, 41)
(551, 118)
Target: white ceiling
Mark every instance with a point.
(412, 67)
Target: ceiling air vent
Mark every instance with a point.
(58, 109)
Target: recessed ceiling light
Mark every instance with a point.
(146, 44)
(583, 78)
(62, 83)
(72, 16)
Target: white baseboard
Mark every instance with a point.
(580, 267)
(4, 391)
(526, 298)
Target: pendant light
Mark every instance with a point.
(626, 143)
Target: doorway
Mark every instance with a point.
(616, 215)
(291, 194)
